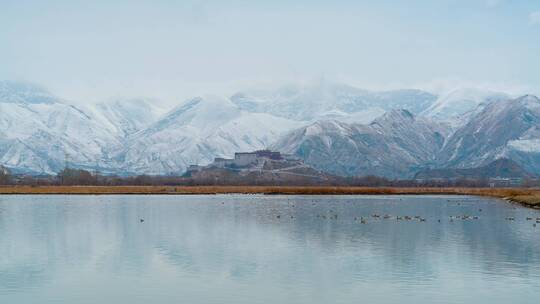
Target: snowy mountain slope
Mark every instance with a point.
(458, 106)
(501, 167)
(325, 100)
(197, 132)
(38, 132)
(508, 128)
(392, 146)
(127, 116)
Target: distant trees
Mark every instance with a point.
(70, 176)
(531, 183)
(5, 176)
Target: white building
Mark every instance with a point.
(243, 159)
(222, 162)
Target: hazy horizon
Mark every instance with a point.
(175, 50)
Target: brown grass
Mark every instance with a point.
(525, 196)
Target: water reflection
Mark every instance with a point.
(249, 249)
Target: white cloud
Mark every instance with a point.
(534, 18)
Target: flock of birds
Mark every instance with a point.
(364, 220)
(536, 221)
(375, 216)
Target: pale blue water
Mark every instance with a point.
(234, 249)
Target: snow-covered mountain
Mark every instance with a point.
(505, 128)
(326, 100)
(39, 132)
(196, 132)
(398, 144)
(334, 127)
(127, 116)
(392, 145)
(458, 106)
(204, 128)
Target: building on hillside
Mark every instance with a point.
(222, 162)
(195, 168)
(242, 159)
(245, 159)
(291, 157)
(268, 154)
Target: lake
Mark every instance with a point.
(267, 249)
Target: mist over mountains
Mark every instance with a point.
(336, 128)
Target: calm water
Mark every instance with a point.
(235, 249)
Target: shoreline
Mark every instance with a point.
(524, 196)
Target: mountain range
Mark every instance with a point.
(502, 167)
(336, 128)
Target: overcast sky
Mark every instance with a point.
(85, 50)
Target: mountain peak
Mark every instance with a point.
(527, 99)
(327, 126)
(24, 93)
(454, 106)
(202, 113)
(401, 113)
(128, 115)
(395, 116)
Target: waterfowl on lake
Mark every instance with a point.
(141, 220)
